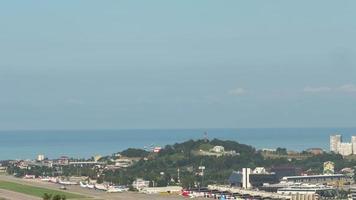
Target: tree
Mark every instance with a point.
(281, 151)
(57, 197)
(47, 196)
(100, 180)
(131, 152)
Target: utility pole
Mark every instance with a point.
(178, 173)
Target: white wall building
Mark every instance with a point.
(168, 189)
(40, 157)
(218, 149)
(123, 162)
(140, 184)
(259, 170)
(345, 149)
(246, 178)
(335, 141)
(353, 141)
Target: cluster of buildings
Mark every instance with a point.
(260, 184)
(290, 182)
(117, 162)
(41, 161)
(344, 148)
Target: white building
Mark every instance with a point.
(218, 149)
(168, 189)
(345, 149)
(140, 184)
(40, 157)
(157, 149)
(2, 169)
(246, 178)
(316, 179)
(353, 141)
(123, 162)
(335, 140)
(305, 191)
(259, 170)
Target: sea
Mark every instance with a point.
(27, 144)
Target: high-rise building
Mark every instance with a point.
(353, 141)
(335, 141)
(246, 178)
(40, 157)
(345, 149)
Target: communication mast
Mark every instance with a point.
(205, 136)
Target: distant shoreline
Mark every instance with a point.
(87, 143)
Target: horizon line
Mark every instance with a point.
(194, 128)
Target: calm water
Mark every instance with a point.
(80, 144)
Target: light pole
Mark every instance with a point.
(178, 174)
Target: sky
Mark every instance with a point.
(177, 64)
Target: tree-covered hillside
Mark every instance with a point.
(162, 168)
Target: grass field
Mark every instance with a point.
(35, 191)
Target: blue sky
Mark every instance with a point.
(177, 64)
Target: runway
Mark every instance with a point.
(90, 193)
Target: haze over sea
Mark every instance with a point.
(86, 143)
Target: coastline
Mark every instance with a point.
(86, 143)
